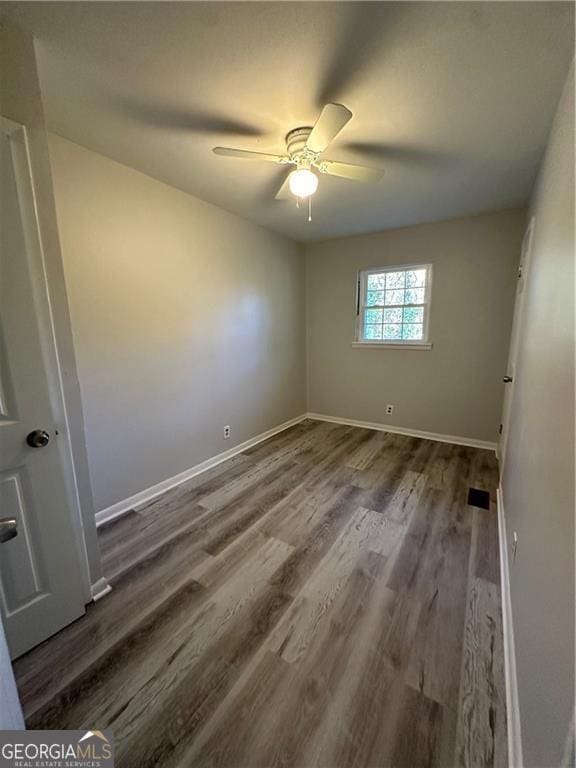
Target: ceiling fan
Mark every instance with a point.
(304, 147)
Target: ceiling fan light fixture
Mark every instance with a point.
(303, 182)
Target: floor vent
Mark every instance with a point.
(477, 498)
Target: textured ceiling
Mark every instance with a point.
(453, 99)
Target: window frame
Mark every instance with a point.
(361, 291)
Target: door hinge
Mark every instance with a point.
(500, 429)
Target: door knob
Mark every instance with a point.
(8, 528)
(507, 379)
(38, 438)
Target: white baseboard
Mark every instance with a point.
(468, 441)
(100, 589)
(121, 507)
(515, 758)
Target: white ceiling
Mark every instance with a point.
(453, 99)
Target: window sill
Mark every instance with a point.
(421, 346)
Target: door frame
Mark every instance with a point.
(28, 203)
(11, 716)
(517, 325)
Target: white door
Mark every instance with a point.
(41, 587)
(510, 375)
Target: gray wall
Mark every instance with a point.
(185, 318)
(21, 101)
(454, 389)
(538, 482)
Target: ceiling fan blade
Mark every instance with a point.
(284, 191)
(350, 171)
(331, 121)
(248, 155)
(400, 153)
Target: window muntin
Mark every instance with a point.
(394, 304)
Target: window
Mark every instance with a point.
(393, 305)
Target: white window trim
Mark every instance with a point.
(361, 283)
(414, 345)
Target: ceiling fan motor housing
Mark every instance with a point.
(296, 147)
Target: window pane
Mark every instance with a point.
(374, 297)
(376, 282)
(372, 316)
(415, 296)
(412, 332)
(393, 315)
(394, 297)
(415, 278)
(395, 280)
(392, 332)
(394, 304)
(372, 332)
(413, 315)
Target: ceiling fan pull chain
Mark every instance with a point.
(310, 208)
(297, 202)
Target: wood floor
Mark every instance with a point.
(326, 599)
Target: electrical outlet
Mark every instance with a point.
(389, 410)
(227, 432)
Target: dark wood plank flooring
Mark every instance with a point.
(326, 599)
